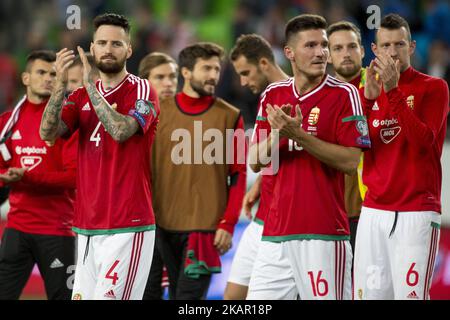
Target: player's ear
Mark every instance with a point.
(263, 63)
(186, 73)
(329, 59)
(363, 51)
(374, 48)
(289, 53)
(91, 48)
(26, 78)
(412, 47)
(129, 51)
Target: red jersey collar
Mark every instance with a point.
(310, 93)
(357, 80)
(35, 105)
(104, 92)
(407, 74)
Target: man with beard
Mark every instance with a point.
(161, 70)
(346, 54)
(42, 182)
(114, 216)
(254, 62)
(305, 252)
(200, 189)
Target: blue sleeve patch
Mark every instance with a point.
(138, 117)
(364, 141)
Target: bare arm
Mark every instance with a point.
(119, 126)
(51, 125)
(342, 158)
(251, 197)
(258, 153)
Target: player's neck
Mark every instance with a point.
(187, 90)
(35, 99)
(305, 84)
(347, 79)
(110, 80)
(276, 74)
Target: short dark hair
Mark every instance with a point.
(304, 22)
(253, 47)
(45, 55)
(112, 19)
(393, 21)
(204, 50)
(344, 26)
(151, 61)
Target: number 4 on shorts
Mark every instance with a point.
(114, 276)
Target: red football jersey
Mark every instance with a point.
(265, 198)
(308, 195)
(266, 190)
(407, 126)
(113, 181)
(42, 202)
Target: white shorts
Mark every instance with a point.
(245, 255)
(302, 269)
(113, 267)
(395, 263)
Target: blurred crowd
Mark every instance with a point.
(170, 25)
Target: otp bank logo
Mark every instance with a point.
(386, 122)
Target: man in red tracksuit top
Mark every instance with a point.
(398, 232)
(42, 182)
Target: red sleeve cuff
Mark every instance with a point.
(225, 225)
(366, 103)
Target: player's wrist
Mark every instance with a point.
(300, 135)
(390, 86)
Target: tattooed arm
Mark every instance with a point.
(51, 124)
(119, 126)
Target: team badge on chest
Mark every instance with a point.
(410, 102)
(314, 116)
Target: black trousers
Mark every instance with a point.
(173, 247)
(54, 255)
(153, 288)
(353, 222)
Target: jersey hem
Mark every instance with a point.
(41, 232)
(418, 208)
(324, 237)
(258, 221)
(95, 232)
